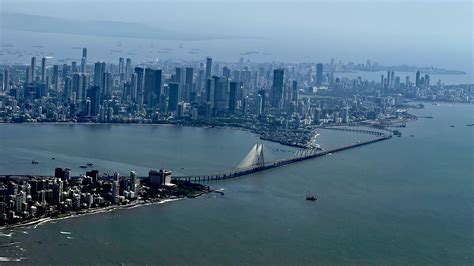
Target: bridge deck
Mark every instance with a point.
(273, 164)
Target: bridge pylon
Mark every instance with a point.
(254, 158)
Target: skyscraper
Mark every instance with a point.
(121, 70)
(128, 68)
(149, 85)
(76, 86)
(158, 84)
(99, 70)
(84, 60)
(56, 77)
(94, 95)
(277, 88)
(140, 85)
(417, 79)
(6, 80)
(188, 83)
(43, 69)
(294, 91)
(173, 94)
(208, 67)
(319, 75)
(107, 85)
(232, 96)
(32, 75)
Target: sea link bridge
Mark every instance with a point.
(254, 161)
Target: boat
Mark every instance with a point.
(311, 197)
(34, 162)
(52, 158)
(90, 164)
(452, 126)
(83, 166)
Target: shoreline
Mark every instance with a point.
(113, 208)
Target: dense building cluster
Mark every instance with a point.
(24, 198)
(263, 94)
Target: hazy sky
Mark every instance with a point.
(436, 33)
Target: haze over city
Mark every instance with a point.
(428, 33)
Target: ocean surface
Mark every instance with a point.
(405, 201)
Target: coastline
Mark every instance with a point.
(45, 220)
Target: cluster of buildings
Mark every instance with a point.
(24, 198)
(206, 92)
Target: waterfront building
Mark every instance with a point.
(133, 181)
(140, 81)
(232, 96)
(173, 97)
(115, 191)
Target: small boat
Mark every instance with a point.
(34, 162)
(53, 158)
(83, 166)
(452, 126)
(311, 197)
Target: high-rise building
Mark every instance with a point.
(140, 85)
(277, 88)
(188, 84)
(84, 60)
(6, 80)
(387, 82)
(115, 191)
(32, 75)
(94, 95)
(149, 86)
(133, 181)
(173, 96)
(319, 75)
(76, 86)
(208, 67)
(99, 70)
(221, 94)
(128, 68)
(294, 91)
(56, 77)
(107, 85)
(121, 69)
(158, 84)
(43, 69)
(417, 79)
(74, 66)
(232, 96)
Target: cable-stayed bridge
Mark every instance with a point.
(254, 161)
